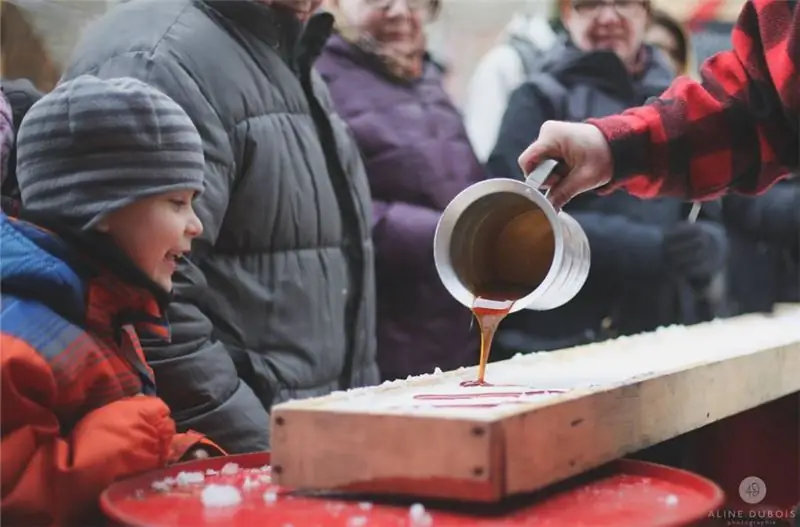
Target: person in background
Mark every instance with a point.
(418, 157)
(647, 261)
(7, 136)
(20, 95)
(277, 299)
(503, 69)
(108, 171)
(669, 35)
(734, 131)
(764, 265)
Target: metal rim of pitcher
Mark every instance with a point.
(465, 198)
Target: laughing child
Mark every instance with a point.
(107, 172)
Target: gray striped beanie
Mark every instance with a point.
(93, 146)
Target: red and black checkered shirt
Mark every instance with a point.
(736, 129)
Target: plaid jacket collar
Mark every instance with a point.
(82, 276)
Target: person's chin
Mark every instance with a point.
(164, 283)
(604, 45)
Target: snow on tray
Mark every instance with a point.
(223, 488)
(611, 362)
(222, 492)
(220, 496)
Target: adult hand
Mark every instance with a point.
(583, 150)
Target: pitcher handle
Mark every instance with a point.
(539, 175)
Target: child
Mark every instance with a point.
(107, 172)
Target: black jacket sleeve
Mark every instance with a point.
(773, 217)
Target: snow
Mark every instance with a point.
(671, 500)
(357, 521)
(270, 497)
(419, 516)
(250, 484)
(230, 469)
(164, 485)
(185, 479)
(365, 505)
(160, 486)
(611, 362)
(220, 496)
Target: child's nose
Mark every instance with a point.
(195, 227)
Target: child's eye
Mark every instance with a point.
(179, 203)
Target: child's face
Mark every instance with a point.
(155, 231)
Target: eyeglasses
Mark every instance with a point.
(625, 8)
(413, 5)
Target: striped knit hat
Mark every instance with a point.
(93, 146)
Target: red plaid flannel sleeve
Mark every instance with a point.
(737, 129)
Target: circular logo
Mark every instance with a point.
(752, 490)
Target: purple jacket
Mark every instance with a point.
(418, 158)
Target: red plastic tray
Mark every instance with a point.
(623, 493)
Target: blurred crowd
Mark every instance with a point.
(330, 148)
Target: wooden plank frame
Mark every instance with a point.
(339, 442)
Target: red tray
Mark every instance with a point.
(623, 493)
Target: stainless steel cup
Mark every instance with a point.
(505, 233)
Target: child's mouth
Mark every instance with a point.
(174, 257)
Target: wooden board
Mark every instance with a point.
(621, 396)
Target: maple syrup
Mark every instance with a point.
(492, 304)
(512, 394)
(506, 257)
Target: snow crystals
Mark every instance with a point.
(270, 497)
(419, 516)
(357, 521)
(230, 469)
(671, 500)
(220, 496)
(185, 479)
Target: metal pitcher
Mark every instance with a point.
(506, 231)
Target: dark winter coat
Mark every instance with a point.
(764, 263)
(418, 158)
